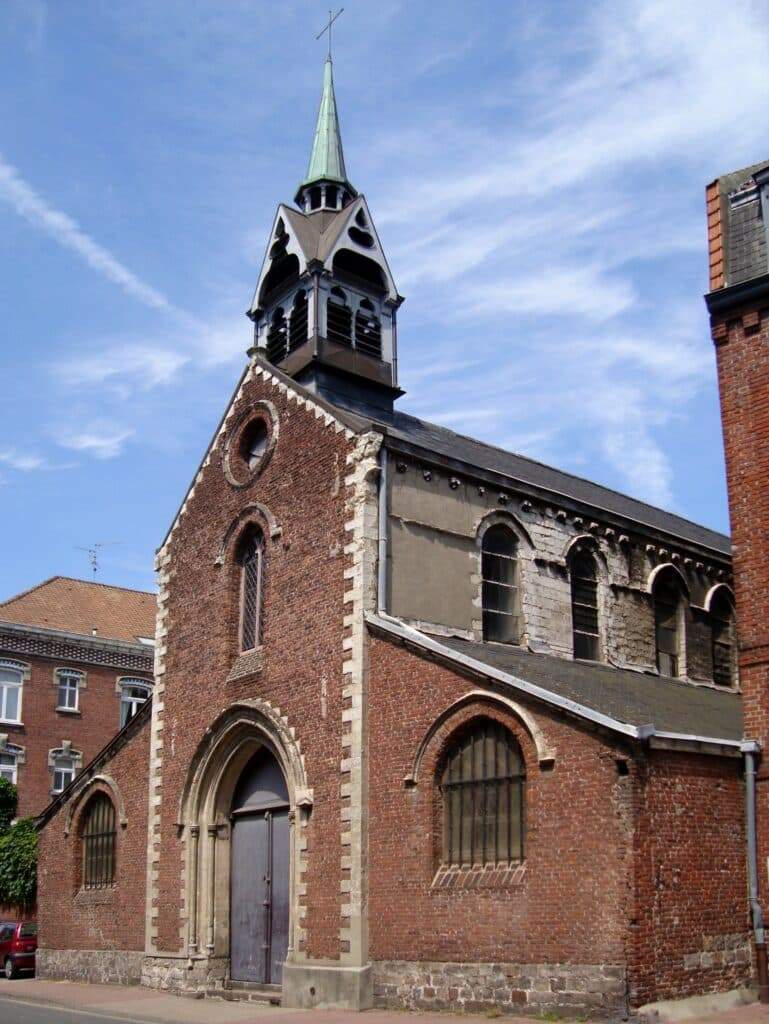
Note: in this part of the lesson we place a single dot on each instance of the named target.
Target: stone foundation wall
(96, 966)
(597, 989)
(173, 974)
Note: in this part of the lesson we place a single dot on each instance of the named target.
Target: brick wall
(43, 728)
(109, 919)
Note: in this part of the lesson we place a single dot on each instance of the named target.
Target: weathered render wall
(692, 933)
(551, 932)
(435, 567)
(97, 935)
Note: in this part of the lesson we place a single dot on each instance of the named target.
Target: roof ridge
(73, 579)
(565, 472)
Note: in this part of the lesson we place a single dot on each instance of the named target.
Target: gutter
(642, 733)
(750, 751)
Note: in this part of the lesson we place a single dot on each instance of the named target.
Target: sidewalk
(151, 1007)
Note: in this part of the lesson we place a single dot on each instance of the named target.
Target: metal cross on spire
(327, 28)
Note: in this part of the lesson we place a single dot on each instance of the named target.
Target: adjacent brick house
(75, 661)
(433, 724)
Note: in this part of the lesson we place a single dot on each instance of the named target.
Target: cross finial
(327, 28)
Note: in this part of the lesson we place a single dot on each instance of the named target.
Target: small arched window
(499, 590)
(723, 635)
(584, 605)
(368, 330)
(11, 680)
(251, 586)
(482, 788)
(276, 336)
(297, 334)
(338, 318)
(98, 837)
(667, 623)
(63, 764)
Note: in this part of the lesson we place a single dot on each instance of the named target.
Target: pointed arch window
(500, 596)
(723, 637)
(251, 587)
(297, 334)
(98, 838)
(368, 330)
(276, 336)
(483, 789)
(668, 598)
(584, 605)
(338, 318)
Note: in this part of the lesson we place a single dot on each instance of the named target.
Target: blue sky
(535, 172)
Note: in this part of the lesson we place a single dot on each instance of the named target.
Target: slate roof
(745, 248)
(634, 698)
(525, 471)
(79, 606)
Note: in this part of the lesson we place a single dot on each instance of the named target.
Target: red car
(18, 945)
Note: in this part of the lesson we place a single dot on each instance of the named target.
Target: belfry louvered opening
(276, 336)
(338, 318)
(297, 331)
(98, 837)
(483, 794)
(368, 330)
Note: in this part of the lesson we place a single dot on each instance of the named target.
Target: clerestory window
(500, 591)
(584, 605)
(667, 623)
(723, 638)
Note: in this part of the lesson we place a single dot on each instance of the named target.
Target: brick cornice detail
(31, 642)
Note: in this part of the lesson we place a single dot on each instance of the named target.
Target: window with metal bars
(252, 572)
(499, 589)
(297, 329)
(338, 318)
(584, 605)
(722, 631)
(483, 793)
(68, 682)
(276, 336)
(368, 330)
(98, 837)
(667, 603)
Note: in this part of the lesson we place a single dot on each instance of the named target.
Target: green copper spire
(327, 159)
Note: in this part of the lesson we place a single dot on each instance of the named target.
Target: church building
(433, 725)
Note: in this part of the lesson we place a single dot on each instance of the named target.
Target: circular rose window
(250, 444)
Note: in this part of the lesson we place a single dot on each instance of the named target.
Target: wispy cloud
(64, 230)
(127, 366)
(21, 460)
(99, 438)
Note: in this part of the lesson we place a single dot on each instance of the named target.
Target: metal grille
(722, 625)
(251, 599)
(276, 337)
(368, 331)
(584, 606)
(499, 569)
(483, 788)
(338, 322)
(666, 601)
(297, 331)
(99, 843)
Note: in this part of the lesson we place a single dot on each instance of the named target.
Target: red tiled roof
(79, 606)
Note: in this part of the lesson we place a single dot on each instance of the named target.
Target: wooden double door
(260, 873)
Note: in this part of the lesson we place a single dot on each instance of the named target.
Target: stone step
(249, 991)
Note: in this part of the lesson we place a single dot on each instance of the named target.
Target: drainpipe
(381, 589)
(759, 935)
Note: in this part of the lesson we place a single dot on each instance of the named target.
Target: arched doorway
(259, 876)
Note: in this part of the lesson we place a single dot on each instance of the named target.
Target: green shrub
(18, 864)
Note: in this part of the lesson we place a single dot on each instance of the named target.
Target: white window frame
(14, 768)
(21, 669)
(70, 674)
(132, 681)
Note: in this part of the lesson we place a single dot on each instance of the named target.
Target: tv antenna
(94, 550)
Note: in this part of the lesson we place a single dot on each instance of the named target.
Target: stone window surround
(589, 542)
(525, 555)
(82, 684)
(20, 753)
(25, 671)
(65, 750)
(238, 476)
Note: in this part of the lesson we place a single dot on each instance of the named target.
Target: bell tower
(325, 305)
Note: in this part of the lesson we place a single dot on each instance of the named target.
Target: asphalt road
(15, 1011)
